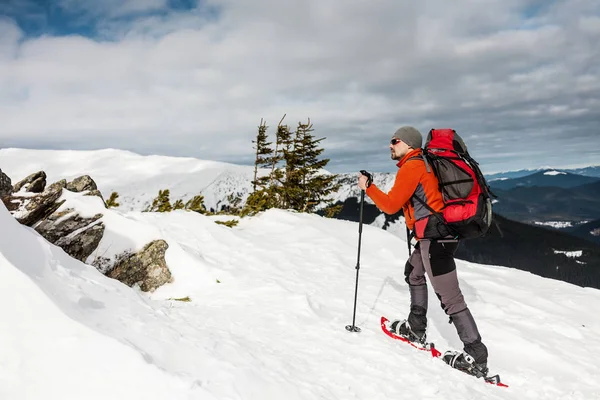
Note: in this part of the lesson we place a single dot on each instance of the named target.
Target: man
(414, 181)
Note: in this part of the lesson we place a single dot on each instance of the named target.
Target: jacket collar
(412, 153)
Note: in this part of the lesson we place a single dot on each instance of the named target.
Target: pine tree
(196, 204)
(112, 200)
(314, 185)
(161, 203)
(178, 205)
(264, 153)
(231, 223)
(282, 177)
(296, 180)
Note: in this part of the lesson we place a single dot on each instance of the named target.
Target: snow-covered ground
(554, 172)
(270, 299)
(555, 224)
(560, 224)
(573, 254)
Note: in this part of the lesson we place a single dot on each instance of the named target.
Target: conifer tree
(112, 200)
(161, 203)
(196, 204)
(178, 205)
(281, 178)
(264, 153)
(314, 185)
(296, 180)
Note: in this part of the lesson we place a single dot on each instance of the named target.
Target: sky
(269, 302)
(518, 79)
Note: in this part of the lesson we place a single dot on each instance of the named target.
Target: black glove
(369, 177)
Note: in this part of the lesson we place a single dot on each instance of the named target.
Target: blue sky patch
(55, 18)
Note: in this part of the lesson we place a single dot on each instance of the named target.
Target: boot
(464, 362)
(404, 328)
(469, 335)
(414, 328)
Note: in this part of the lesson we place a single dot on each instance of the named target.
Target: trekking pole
(353, 328)
(408, 239)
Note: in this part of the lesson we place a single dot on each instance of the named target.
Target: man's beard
(394, 156)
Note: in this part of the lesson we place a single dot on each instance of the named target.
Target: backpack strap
(421, 157)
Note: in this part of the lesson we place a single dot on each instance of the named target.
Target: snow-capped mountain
(139, 178)
(593, 171)
(136, 178)
(547, 178)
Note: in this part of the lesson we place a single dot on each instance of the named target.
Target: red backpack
(467, 196)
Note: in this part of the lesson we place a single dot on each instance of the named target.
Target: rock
(29, 210)
(85, 183)
(76, 235)
(82, 244)
(6, 188)
(147, 268)
(81, 184)
(34, 183)
(57, 186)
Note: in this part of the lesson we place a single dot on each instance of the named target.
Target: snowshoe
(465, 363)
(402, 328)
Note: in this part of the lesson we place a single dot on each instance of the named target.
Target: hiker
(415, 181)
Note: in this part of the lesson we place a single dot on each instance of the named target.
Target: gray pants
(436, 260)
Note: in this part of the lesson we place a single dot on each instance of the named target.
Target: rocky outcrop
(57, 186)
(147, 268)
(35, 205)
(30, 209)
(6, 188)
(34, 183)
(76, 235)
(82, 184)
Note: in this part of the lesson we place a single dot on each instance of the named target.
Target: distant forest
(522, 246)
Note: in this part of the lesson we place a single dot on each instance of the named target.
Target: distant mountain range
(589, 231)
(546, 178)
(549, 203)
(543, 251)
(546, 252)
(593, 171)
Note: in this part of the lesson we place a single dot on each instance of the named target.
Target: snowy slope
(273, 327)
(269, 302)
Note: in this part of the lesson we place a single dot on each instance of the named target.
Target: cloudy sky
(518, 79)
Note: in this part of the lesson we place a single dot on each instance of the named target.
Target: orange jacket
(412, 178)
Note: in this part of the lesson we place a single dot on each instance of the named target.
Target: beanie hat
(410, 136)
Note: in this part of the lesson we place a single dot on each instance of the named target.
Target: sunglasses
(394, 141)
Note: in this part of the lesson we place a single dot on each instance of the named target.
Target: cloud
(516, 79)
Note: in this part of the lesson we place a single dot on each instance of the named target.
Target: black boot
(469, 335)
(414, 328)
(464, 362)
(405, 329)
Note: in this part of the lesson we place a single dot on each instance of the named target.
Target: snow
(572, 254)
(270, 299)
(136, 178)
(555, 224)
(552, 173)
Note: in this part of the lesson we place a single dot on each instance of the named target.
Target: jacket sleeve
(405, 184)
